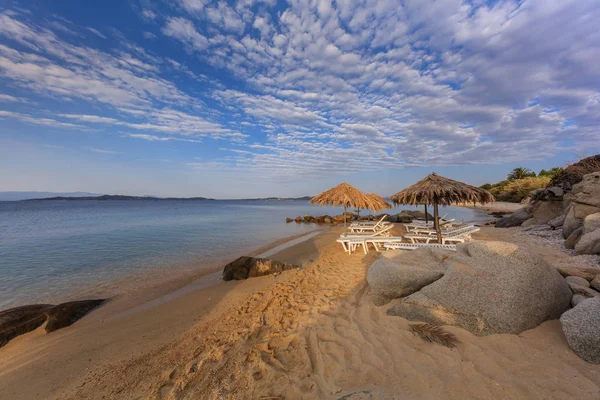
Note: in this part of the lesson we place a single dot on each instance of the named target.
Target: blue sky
(258, 98)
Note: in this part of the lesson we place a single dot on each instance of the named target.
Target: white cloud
(183, 30)
(103, 151)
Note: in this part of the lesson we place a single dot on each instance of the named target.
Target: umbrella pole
(426, 215)
(436, 221)
(345, 217)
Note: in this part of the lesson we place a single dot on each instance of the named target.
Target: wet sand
(312, 333)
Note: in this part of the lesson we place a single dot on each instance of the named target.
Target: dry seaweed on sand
(434, 334)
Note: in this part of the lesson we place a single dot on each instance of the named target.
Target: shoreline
(145, 286)
(497, 206)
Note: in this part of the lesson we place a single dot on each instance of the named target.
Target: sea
(53, 251)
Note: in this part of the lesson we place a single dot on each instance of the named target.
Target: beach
(302, 334)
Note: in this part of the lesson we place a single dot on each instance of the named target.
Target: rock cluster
(575, 211)
(485, 287)
(19, 320)
(249, 267)
(405, 216)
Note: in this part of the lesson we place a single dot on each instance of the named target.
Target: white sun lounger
(448, 228)
(368, 223)
(417, 225)
(460, 235)
(377, 232)
(414, 246)
(350, 244)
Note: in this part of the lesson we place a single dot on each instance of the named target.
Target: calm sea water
(51, 249)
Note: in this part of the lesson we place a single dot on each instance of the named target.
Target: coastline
(315, 331)
(497, 206)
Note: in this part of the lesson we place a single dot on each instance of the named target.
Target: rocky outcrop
(589, 243)
(248, 267)
(19, 320)
(571, 223)
(490, 287)
(581, 326)
(389, 279)
(516, 219)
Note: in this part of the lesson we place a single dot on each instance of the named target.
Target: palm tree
(520, 173)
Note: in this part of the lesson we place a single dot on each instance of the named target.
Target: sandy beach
(303, 334)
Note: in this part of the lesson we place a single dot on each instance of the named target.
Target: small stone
(577, 280)
(595, 283)
(584, 272)
(576, 299)
(584, 291)
(288, 220)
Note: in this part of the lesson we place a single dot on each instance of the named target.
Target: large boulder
(544, 211)
(248, 267)
(516, 219)
(571, 223)
(490, 287)
(581, 326)
(19, 320)
(591, 223)
(589, 243)
(574, 238)
(391, 279)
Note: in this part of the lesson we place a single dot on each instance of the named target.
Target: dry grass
(444, 191)
(434, 334)
(520, 189)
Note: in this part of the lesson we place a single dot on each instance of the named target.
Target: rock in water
(490, 287)
(19, 320)
(393, 279)
(581, 326)
(66, 314)
(248, 267)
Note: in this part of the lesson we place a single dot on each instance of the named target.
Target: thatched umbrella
(436, 190)
(344, 195)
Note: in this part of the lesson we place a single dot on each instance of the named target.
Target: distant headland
(106, 197)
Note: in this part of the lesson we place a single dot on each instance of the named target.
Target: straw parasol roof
(436, 189)
(347, 196)
(380, 203)
(344, 195)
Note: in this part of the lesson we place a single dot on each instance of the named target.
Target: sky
(288, 98)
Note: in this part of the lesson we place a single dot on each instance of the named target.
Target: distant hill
(118, 197)
(282, 198)
(16, 196)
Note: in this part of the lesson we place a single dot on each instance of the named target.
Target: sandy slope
(305, 334)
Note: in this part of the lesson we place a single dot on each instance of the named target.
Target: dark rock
(66, 314)
(499, 214)
(288, 220)
(298, 219)
(249, 267)
(488, 288)
(309, 218)
(19, 320)
(557, 222)
(581, 326)
(516, 219)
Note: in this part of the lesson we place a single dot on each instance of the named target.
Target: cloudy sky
(272, 97)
